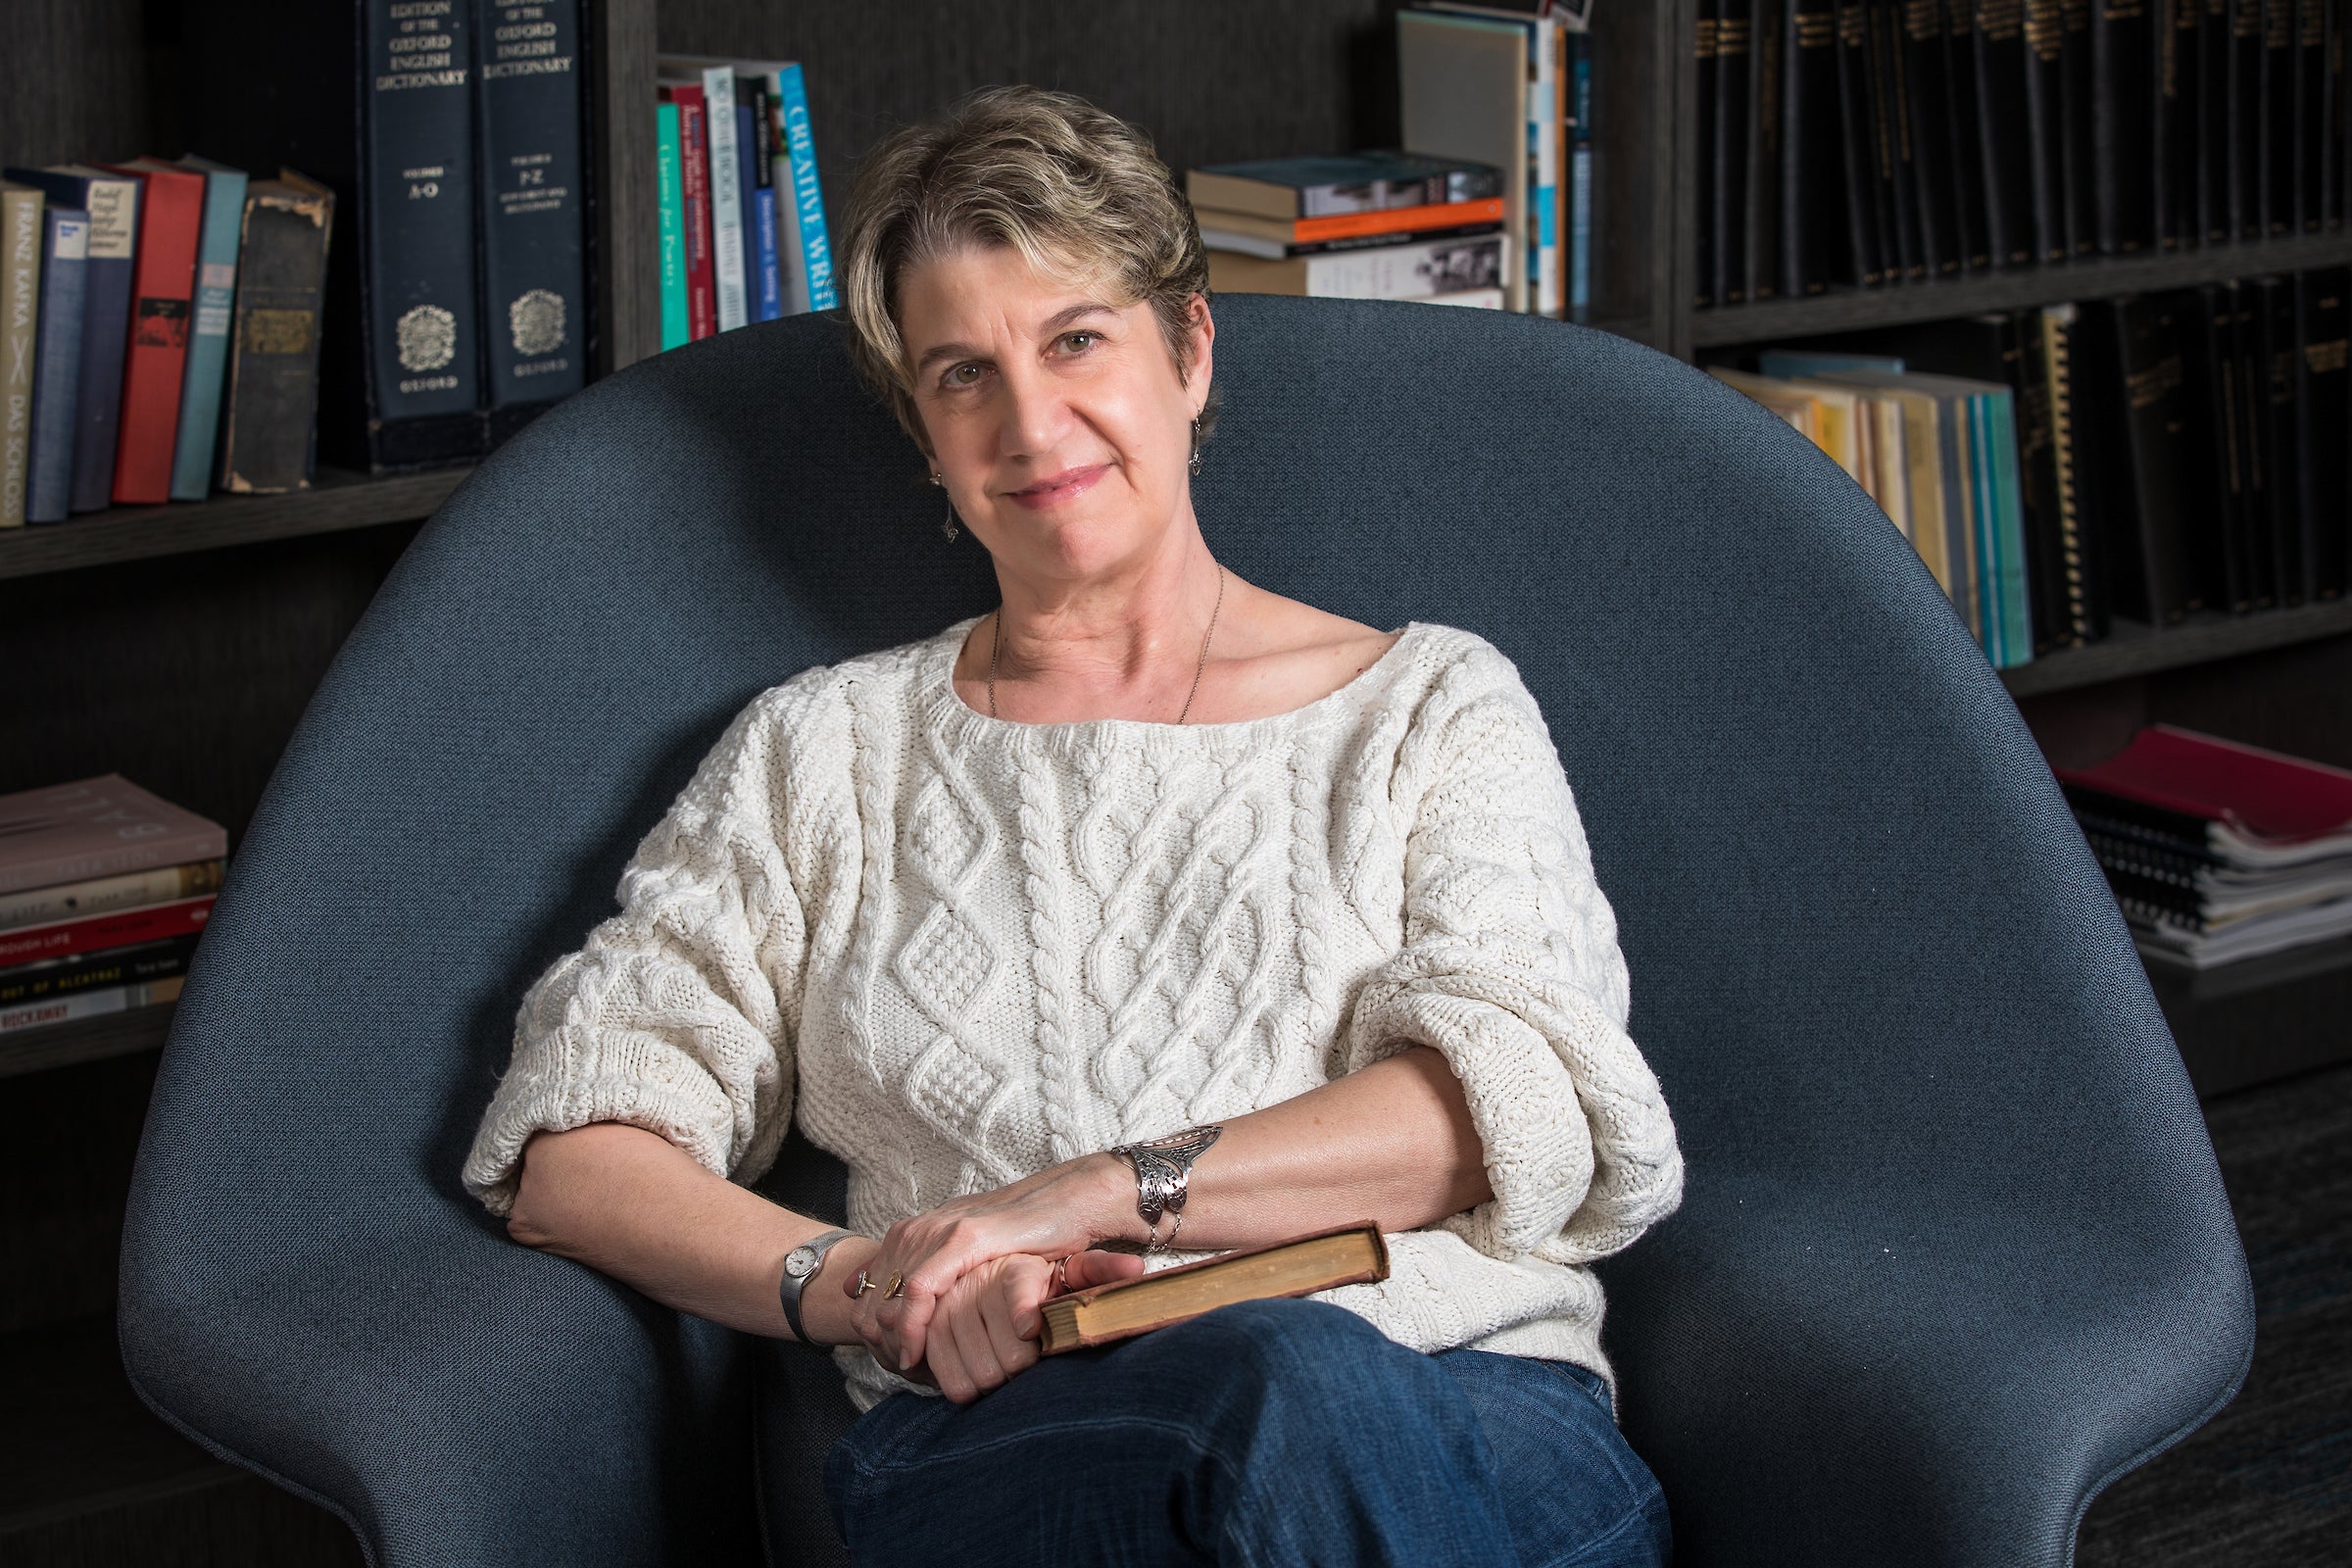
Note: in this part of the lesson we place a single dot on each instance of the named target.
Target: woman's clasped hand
(975, 1271)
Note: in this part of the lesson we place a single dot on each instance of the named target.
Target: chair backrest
(1928, 1102)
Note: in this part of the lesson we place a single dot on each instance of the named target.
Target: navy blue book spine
(532, 198)
(57, 363)
(113, 203)
(416, 213)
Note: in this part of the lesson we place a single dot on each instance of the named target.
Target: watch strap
(789, 1291)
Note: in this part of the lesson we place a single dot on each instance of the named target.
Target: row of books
(1383, 225)
(1509, 87)
(1882, 141)
(104, 890)
(2218, 851)
(2144, 457)
(742, 215)
(159, 333)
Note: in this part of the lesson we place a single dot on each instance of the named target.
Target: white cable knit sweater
(964, 948)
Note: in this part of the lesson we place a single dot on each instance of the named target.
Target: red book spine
(171, 212)
(62, 938)
(694, 184)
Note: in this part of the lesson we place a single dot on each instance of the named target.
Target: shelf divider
(2137, 649)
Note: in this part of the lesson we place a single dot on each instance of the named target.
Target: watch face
(799, 1262)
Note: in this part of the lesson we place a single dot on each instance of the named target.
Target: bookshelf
(178, 645)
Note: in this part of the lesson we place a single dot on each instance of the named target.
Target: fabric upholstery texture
(1953, 1250)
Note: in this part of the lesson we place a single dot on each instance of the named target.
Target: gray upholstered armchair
(1954, 1252)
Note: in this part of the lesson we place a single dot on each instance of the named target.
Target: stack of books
(1375, 225)
(1510, 84)
(2218, 851)
(2147, 457)
(1873, 142)
(133, 368)
(742, 215)
(104, 890)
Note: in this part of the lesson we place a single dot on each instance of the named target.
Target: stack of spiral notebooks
(2217, 851)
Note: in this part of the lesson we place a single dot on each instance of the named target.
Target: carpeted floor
(2268, 1483)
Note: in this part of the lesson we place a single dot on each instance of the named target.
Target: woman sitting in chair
(1150, 903)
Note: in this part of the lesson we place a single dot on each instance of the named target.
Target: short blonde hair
(1073, 188)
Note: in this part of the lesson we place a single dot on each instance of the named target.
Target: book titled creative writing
(1322, 1260)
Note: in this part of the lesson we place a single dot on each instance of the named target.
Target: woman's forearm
(1392, 1142)
(635, 1206)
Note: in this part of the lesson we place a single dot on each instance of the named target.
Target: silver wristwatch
(800, 1267)
(1163, 1166)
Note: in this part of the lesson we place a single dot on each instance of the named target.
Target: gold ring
(863, 1284)
(897, 1287)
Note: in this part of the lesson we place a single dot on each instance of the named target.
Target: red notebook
(2266, 796)
(163, 289)
(693, 190)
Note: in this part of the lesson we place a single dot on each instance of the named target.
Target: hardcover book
(104, 826)
(20, 322)
(57, 363)
(2325, 410)
(113, 203)
(1105, 1314)
(267, 408)
(1354, 184)
(533, 203)
(219, 238)
(171, 221)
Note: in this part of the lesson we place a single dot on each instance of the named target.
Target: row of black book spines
(1860, 144)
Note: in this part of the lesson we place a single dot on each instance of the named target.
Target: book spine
(530, 207)
(1924, 85)
(1985, 518)
(1734, 41)
(726, 196)
(671, 201)
(2038, 487)
(2080, 568)
(2311, 115)
(2336, 119)
(2077, 129)
(2279, 131)
(2252, 377)
(269, 408)
(20, 330)
(757, 124)
(214, 305)
(746, 202)
(1963, 149)
(57, 364)
(1546, 287)
(96, 933)
(171, 217)
(1406, 272)
(2173, 197)
(31, 983)
(88, 1005)
(808, 197)
(140, 855)
(2124, 115)
(2216, 96)
(2017, 611)
(2147, 385)
(105, 338)
(693, 149)
(1576, 84)
(1706, 111)
(417, 211)
(2325, 412)
(1899, 181)
(1766, 85)
(2216, 497)
(2009, 160)
(99, 894)
(2247, 113)
(1812, 156)
(2279, 388)
(1869, 257)
(2044, 57)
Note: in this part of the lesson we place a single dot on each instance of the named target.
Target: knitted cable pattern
(1036, 941)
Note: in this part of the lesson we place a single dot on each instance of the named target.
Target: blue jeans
(1278, 1431)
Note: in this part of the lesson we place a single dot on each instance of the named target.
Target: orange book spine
(1397, 220)
(171, 210)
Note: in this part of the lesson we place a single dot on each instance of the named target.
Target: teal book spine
(807, 198)
(1984, 517)
(216, 302)
(672, 200)
(2017, 607)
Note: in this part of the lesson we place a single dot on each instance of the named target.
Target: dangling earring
(1195, 465)
(948, 526)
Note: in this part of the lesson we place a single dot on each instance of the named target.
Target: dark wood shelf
(2099, 277)
(2260, 1019)
(61, 1044)
(2135, 648)
(336, 501)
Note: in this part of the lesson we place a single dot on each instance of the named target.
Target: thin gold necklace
(996, 645)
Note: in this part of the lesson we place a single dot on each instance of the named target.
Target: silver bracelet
(1161, 1167)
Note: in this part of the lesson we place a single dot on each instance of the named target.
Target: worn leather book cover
(269, 407)
(1321, 1261)
(2325, 299)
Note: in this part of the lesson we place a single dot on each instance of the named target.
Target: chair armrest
(455, 1398)
(1892, 1381)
